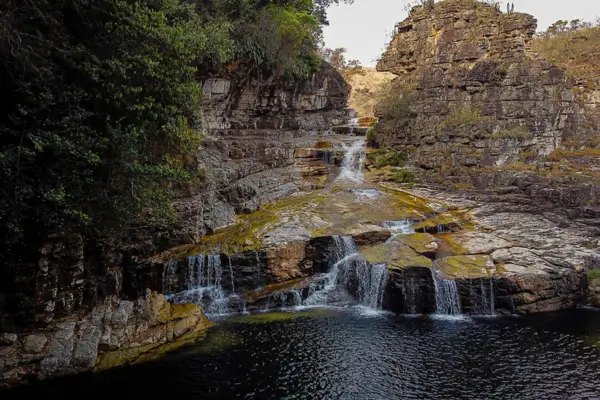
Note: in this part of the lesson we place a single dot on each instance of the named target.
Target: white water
(447, 300)
(202, 283)
(401, 227)
(483, 302)
(351, 269)
(352, 164)
(410, 295)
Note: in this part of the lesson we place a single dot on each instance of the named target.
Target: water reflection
(340, 354)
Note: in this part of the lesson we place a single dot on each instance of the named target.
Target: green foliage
(463, 116)
(403, 176)
(593, 274)
(518, 133)
(370, 135)
(98, 102)
(388, 157)
(97, 99)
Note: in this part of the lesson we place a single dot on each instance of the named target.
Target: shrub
(370, 136)
(463, 116)
(388, 157)
(528, 156)
(520, 133)
(593, 274)
(403, 176)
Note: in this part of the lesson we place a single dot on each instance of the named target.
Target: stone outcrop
(260, 145)
(75, 305)
(476, 94)
(116, 332)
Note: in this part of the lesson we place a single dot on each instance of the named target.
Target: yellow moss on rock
(466, 266)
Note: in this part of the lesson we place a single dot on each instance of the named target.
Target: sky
(364, 27)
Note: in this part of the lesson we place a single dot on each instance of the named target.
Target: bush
(403, 176)
(519, 133)
(388, 157)
(593, 274)
(463, 116)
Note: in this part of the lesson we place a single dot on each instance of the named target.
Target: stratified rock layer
(476, 95)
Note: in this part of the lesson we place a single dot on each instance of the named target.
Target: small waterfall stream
(447, 300)
(350, 271)
(483, 297)
(202, 283)
(352, 164)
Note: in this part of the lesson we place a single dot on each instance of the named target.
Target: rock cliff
(77, 305)
(481, 114)
(477, 95)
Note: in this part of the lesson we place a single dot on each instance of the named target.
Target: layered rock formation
(480, 113)
(79, 305)
(255, 151)
(477, 95)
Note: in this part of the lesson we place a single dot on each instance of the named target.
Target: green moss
(469, 267)
(403, 176)
(462, 116)
(265, 318)
(422, 243)
(593, 274)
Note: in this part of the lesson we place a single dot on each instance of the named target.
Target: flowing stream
(352, 164)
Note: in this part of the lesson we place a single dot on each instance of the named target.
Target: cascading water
(410, 295)
(352, 164)
(447, 300)
(202, 283)
(483, 299)
(350, 271)
(401, 227)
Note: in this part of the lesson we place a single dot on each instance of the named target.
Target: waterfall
(350, 272)
(352, 164)
(410, 295)
(202, 283)
(447, 300)
(231, 275)
(483, 302)
(399, 227)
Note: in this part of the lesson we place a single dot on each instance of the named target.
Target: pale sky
(364, 27)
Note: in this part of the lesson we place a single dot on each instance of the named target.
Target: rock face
(115, 332)
(475, 92)
(261, 146)
(75, 305)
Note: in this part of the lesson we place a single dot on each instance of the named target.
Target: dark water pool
(343, 354)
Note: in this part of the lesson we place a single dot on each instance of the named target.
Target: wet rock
(466, 266)
(480, 242)
(422, 243)
(368, 234)
(34, 343)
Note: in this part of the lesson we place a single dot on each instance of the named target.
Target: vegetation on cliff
(574, 46)
(100, 100)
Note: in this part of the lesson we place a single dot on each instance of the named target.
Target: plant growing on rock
(463, 116)
(403, 176)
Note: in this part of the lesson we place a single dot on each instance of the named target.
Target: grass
(367, 89)
(388, 157)
(561, 154)
(463, 116)
(519, 133)
(593, 274)
(528, 156)
(577, 52)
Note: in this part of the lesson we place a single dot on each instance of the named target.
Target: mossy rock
(466, 267)
(396, 255)
(422, 243)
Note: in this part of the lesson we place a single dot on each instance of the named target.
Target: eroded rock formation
(78, 305)
(477, 96)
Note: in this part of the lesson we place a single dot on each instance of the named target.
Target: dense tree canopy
(99, 99)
